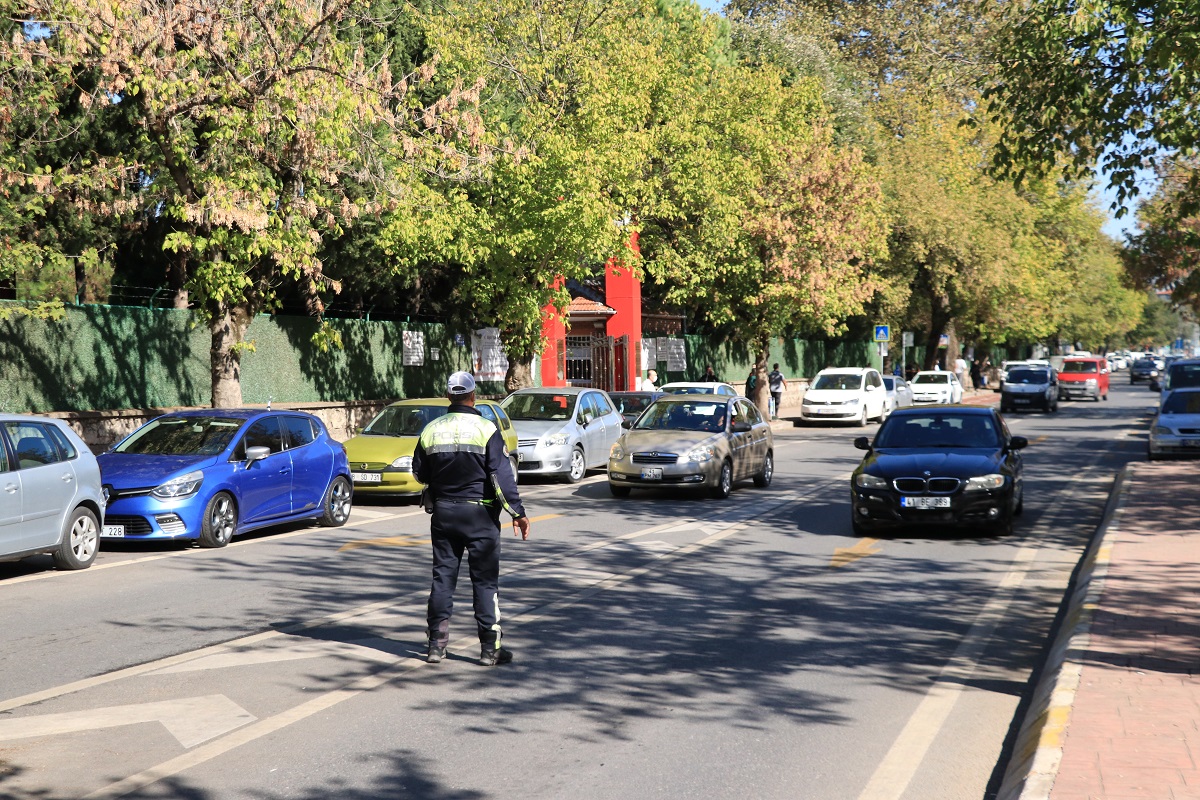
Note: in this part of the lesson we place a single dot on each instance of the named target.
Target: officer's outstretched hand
(521, 526)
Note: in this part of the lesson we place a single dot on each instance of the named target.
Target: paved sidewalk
(1117, 712)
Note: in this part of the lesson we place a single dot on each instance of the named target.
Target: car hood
(137, 471)
(537, 428)
(963, 463)
(379, 448)
(666, 441)
(834, 395)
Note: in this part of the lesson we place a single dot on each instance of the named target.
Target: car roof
(945, 372)
(236, 413)
(431, 401)
(555, 390)
(846, 370)
(694, 383)
(956, 410)
(1190, 361)
(635, 394)
(696, 398)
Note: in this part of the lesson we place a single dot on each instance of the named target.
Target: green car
(381, 456)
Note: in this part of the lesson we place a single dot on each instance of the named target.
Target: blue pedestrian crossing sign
(883, 333)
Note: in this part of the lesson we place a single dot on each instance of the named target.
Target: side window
(725, 390)
(587, 408)
(5, 464)
(505, 422)
(264, 433)
(300, 431)
(488, 413)
(737, 413)
(32, 443)
(752, 414)
(876, 381)
(603, 408)
(64, 443)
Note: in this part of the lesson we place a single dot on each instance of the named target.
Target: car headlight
(865, 481)
(1161, 430)
(403, 463)
(1153, 373)
(616, 454)
(986, 482)
(183, 486)
(702, 454)
(853, 401)
(556, 439)
(1090, 381)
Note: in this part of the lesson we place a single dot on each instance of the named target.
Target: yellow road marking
(848, 555)
(413, 539)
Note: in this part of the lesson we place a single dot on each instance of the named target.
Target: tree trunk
(519, 375)
(228, 327)
(761, 395)
(939, 320)
(177, 280)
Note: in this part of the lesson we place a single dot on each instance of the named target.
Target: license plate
(829, 411)
(366, 477)
(113, 532)
(1020, 399)
(925, 502)
(654, 474)
(1190, 442)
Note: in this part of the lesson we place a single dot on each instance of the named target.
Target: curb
(1037, 754)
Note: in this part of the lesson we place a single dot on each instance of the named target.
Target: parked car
(212, 474)
(1143, 369)
(692, 441)
(698, 387)
(899, 393)
(951, 467)
(381, 456)
(1030, 387)
(562, 432)
(53, 496)
(1081, 377)
(845, 394)
(631, 404)
(1176, 427)
(933, 386)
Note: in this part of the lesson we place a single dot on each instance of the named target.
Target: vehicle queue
(209, 475)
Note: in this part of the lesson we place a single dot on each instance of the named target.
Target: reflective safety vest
(457, 435)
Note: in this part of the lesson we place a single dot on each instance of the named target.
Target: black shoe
(490, 658)
(435, 654)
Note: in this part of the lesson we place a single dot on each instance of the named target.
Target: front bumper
(541, 459)
(931, 399)
(623, 472)
(880, 508)
(145, 517)
(387, 481)
(1174, 445)
(1073, 391)
(824, 413)
(1025, 400)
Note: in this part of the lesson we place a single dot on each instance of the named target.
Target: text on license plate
(652, 474)
(366, 477)
(113, 532)
(925, 502)
(1191, 442)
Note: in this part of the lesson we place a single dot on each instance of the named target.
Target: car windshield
(539, 406)
(938, 431)
(1024, 375)
(690, 389)
(1182, 403)
(404, 420)
(632, 403)
(838, 382)
(933, 377)
(1145, 363)
(703, 416)
(182, 436)
(1080, 366)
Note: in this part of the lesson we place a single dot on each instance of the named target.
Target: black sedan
(945, 467)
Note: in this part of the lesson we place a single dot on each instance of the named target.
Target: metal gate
(591, 361)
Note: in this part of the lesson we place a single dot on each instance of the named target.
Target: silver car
(52, 499)
(562, 431)
(899, 393)
(707, 442)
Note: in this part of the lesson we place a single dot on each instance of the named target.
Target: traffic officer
(461, 458)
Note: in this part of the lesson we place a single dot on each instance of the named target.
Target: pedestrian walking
(977, 373)
(461, 458)
(648, 383)
(776, 383)
(960, 370)
(710, 376)
(751, 381)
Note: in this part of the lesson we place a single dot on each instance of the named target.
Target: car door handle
(67, 478)
(285, 470)
(11, 488)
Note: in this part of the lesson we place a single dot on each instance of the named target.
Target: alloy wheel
(339, 502)
(85, 536)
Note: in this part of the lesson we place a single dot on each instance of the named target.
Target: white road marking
(191, 720)
(243, 657)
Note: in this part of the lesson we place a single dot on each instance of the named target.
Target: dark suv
(1182, 373)
(1144, 369)
(1030, 387)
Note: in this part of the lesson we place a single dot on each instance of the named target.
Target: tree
(250, 116)
(1165, 252)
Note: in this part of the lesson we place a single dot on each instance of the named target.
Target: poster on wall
(649, 354)
(487, 355)
(672, 351)
(414, 348)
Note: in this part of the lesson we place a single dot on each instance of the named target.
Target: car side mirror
(256, 454)
(870, 388)
(581, 422)
(862, 443)
(1018, 443)
(626, 424)
(357, 430)
(741, 426)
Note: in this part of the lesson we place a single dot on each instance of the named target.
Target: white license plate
(925, 502)
(113, 532)
(652, 474)
(366, 477)
(1190, 442)
(1020, 399)
(829, 411)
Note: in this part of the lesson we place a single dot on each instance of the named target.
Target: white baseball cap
(460, 383)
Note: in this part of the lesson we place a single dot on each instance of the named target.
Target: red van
(1083, 376)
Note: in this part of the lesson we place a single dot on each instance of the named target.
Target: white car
(846, 394)
(53, 498)
(1176, 429)
(932, 386)
(698, 387)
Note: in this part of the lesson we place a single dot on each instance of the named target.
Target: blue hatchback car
(214, 473)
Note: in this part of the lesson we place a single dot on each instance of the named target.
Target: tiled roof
(584, 306)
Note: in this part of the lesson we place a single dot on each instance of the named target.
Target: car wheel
(80, 541)
(1020, 509)
(220, 521)
(1004, 409)
(884, 413)
(724, 485)
(336, 506)
(619, 491)
(856, 526)
(1004, 527)
(512, 461)
(578, 466)
(763, 479)
(1150, 456)
(862, 420)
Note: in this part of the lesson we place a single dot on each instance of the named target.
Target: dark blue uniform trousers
(474, 528)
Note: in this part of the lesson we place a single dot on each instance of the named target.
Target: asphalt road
(666, 646)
